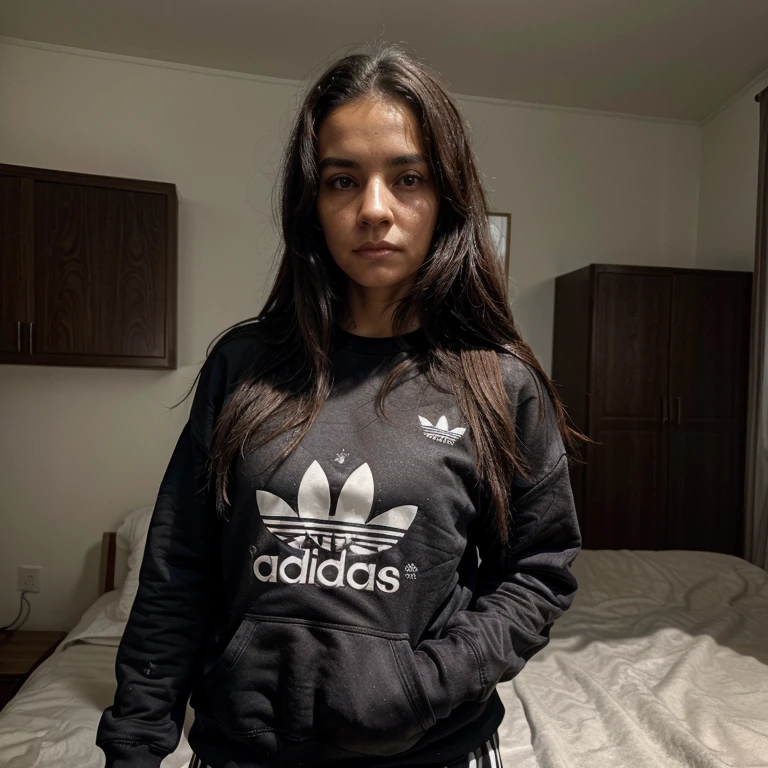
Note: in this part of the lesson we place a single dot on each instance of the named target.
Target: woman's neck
(370, 315)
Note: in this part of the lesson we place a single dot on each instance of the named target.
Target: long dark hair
(459, 295)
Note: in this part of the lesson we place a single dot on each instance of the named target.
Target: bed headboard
(108, 561)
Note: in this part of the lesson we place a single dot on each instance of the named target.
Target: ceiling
(676, 59)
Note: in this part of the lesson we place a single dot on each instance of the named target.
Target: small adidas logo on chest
(440, 431)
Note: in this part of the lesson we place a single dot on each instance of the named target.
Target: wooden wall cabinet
(652, 364)
(88, 270)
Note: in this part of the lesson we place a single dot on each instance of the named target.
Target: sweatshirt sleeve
(521, 589)
(163, 638)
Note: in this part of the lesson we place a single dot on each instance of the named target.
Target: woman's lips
(377, 253)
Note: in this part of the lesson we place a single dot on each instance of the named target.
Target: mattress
(661, 661)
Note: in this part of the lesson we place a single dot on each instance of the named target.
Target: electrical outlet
(30, 578)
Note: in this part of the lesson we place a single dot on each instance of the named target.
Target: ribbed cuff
(124, 754)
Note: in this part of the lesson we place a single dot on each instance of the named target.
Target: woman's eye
(411, 176)
(341, 178)
(417, 178)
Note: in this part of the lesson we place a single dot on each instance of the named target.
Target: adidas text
(329, 573)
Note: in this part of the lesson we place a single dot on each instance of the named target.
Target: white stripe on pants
(486, 756)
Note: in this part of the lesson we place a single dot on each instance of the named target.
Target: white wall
(728, 191)
(81, 447)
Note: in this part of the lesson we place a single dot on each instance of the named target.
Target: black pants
(486, 756)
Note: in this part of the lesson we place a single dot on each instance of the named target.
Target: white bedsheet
(661, 662)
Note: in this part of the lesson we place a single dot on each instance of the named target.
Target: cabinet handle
(679, 403)
(18, 335)
(31, 326)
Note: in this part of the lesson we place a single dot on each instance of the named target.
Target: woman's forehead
(354, 147)
(360, 132)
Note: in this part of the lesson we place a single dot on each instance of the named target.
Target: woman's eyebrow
(341, 162)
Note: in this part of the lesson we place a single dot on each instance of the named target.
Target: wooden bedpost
(107, 566)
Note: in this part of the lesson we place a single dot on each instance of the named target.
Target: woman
(320, 597)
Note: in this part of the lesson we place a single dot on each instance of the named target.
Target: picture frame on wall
(501, 226)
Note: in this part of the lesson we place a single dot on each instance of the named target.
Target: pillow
(96, 625)
(131, 537)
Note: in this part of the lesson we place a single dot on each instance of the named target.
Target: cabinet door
(101, 271)
(626, 476)
(708, 374)
(15, 265)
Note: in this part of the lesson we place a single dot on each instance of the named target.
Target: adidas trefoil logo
(313, 526)
(440, 431)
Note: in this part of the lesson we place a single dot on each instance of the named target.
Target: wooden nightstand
(20, 653)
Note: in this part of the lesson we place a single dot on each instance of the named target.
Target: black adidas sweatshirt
(342, 615)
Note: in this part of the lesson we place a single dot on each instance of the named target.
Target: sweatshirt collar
(373, 345)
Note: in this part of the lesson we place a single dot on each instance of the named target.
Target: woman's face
(363, 197)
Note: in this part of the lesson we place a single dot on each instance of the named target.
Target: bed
(661, 661)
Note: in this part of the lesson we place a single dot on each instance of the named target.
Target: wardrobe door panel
(708, 369)
(100, 272)
(631, 360)
(15, 265)
(710, 329)
(627, 476)
(626, 487)
(705, 508)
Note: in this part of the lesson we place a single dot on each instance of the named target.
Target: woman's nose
(375, 204)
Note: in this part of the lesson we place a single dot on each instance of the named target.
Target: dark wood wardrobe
(652, 365)
(87, 270)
